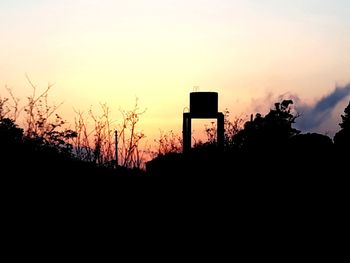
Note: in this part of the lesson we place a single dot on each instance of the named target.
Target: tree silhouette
(342, 138)
(9, 133)
(270, 131)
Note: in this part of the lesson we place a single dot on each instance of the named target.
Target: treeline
(263, 145)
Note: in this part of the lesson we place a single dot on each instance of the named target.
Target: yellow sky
(111, 51)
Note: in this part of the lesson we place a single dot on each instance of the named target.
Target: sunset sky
(158, 50)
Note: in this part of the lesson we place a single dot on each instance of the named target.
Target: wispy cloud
(317, 117)
(312, 116)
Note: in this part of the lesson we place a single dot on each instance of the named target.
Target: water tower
(203, 105)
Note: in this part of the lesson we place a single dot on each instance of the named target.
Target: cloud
(313, 116)
(323, 116)
(265, 104)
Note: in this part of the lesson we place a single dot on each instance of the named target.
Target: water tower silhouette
(203, 105)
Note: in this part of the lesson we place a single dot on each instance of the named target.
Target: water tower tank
(204, 104)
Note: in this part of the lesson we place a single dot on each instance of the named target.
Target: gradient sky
(158, 50)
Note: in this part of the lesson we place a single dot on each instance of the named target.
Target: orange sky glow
(158, 50)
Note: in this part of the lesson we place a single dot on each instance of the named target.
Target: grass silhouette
(264, 147)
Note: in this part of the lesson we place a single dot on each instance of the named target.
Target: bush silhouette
(342, 138)
(10, 133)
(267, 132)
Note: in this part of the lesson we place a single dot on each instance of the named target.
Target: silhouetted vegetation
(231, 127)
(265, 145)
(342, 138)
(267, 132)
(167, 143)
(96, 141)
(45, 146)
